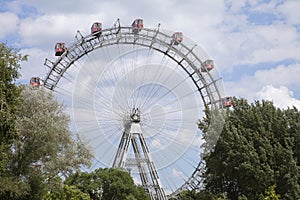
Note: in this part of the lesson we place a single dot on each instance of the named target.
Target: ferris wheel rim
(114, 36)
(147, 38)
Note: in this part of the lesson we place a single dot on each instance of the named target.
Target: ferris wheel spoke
(174, 169)
(167, 136)
(152, 101)
(176, 111)
(153, 90)
(101, 139)
(135, 65)
(163, 66)
(148, 58)
(179, 140)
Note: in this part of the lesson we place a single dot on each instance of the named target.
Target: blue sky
(255, 43)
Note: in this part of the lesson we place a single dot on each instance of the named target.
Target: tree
(10, 99)
(258, 148)
(45, 147)
(107, 184)
(67, 193)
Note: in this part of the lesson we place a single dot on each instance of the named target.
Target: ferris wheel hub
(135, 115)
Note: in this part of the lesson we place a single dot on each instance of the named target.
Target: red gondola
(60, 48)
(137, 25)
(177, 38)
(96, 28)
(35, 81)
(207, 66)
(227, 101)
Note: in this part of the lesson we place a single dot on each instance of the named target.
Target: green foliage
(107, 184)
(271, 194)
(45, 147)
(67, 193)
(187, 195)
(211, 127)
(45, 138)
(258, 147)
(201, 195)
(35, 142)
(10, 99)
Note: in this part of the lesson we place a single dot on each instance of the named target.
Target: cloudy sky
(255, 43)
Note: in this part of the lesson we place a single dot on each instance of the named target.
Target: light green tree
(45, 147)
(67, 193)
(271, 193)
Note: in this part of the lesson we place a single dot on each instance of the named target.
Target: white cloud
(281, 75)
(35, 64)
(290, 10)
(263, 6)
(237, 40)
(280, 42)
(8, 23)
(252, 44)
(282, 97)
(235, 6)
(46, 30)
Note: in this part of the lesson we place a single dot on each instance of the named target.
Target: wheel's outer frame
(209, 85)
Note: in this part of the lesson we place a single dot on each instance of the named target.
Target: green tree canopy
(258, 148)
(67, 193)
(107, 184)
(10, 99)
(45, 147)
(35, 142)
(45, 138)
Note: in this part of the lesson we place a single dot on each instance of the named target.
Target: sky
(255, 44)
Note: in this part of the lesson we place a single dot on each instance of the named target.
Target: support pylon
(142, 159)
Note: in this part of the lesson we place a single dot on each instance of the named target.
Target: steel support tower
(142, 159)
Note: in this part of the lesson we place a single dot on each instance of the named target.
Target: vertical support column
(133, 134)
(120, 158)
(153, 173)
(141, 168)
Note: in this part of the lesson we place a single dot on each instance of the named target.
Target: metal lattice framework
(208, 83)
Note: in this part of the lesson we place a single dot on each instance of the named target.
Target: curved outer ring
(159, 41)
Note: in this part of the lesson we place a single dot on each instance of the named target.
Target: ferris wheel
(136, 94)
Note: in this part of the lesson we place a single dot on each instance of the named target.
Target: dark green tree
(10, 100)
(258, 148)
